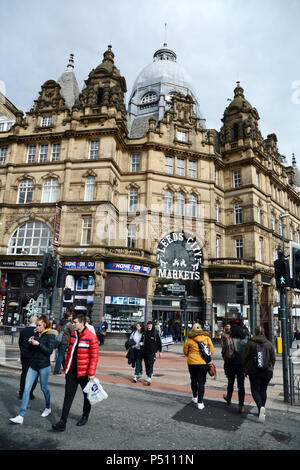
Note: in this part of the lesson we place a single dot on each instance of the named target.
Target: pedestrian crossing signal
(282, 272)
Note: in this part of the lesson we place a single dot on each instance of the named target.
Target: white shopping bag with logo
(95, 391)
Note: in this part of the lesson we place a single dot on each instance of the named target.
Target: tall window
(168, 202)
(3, 155)
(133, 200)
(50, 190)
(25, 192)
(131, 236)
(46, 121)
(94, 149)
(216, 176)
(181, 166)
(89, 188)
(43, 153)
(31, 153)
(238, 213)
(239, 248)
(217, 207)
(180, 204)
(169, 165)
(32, 238)
(260, 249)
(192, 169)
(259, 215)
(55, 151)
(237, 178)
(193, 206)
(272, 222)
(86, 231)
(218, 246)
(135, 162)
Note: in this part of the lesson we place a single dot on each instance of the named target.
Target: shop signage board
(133, 268)
(125, 300)
(78, 265)
(176, 288)
(166, 340)
(180, 257)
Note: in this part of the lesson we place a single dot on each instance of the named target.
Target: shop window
(82, 284)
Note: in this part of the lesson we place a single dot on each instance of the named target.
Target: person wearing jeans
(42, 344)
(25, 354)
(150, 343)
(259, 378)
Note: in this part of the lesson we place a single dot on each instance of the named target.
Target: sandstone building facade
(150, 201)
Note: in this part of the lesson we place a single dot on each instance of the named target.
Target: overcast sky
(218, 42)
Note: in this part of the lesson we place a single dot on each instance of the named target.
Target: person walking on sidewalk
(80, 367)
(259, 364)
(196, 364)
(151, 343)
(102, 330)
(136, 336)
(25, 354)
(233, 353)
(66, 326)
(42, 344)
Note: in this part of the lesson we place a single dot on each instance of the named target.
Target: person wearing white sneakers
(259, 364)
(196, 364)
(42, 344)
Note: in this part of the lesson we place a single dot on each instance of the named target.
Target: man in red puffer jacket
(80, 367)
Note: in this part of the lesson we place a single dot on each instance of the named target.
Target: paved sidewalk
(170, 375)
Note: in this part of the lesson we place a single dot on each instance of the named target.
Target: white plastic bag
(95, 391)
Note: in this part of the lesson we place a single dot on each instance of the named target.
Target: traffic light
(282, 272)
(68, 294)
(296, 267)
(183, 303)
(242, 292)
(48, 272)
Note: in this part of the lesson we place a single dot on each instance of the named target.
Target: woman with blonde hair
(196, 363)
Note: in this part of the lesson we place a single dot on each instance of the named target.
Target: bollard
(279, 345)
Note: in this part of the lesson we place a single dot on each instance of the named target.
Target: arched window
(50, 190)
(25, 192)
(180, 204)
(193, 205)
(149, 98)
(32, 238)
(168, 202)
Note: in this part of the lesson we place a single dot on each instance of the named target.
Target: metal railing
(294, 360)
(10, 334)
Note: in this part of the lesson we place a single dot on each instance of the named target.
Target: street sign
(176, 288)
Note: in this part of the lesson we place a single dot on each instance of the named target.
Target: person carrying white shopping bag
(95, 391)
(80, 368)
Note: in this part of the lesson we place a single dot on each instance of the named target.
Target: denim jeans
(138, 362)
(30, 378)
(60, 357)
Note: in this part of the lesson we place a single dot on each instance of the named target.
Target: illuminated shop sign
(78, 264)
(180, 257)
(133, 268)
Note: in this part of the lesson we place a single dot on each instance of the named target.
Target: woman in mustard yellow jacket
(196, 364)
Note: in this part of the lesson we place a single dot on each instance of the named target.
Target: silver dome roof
(161, 78)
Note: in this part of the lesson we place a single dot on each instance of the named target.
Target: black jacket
(151, 342)
(25, 347)
(40, 357)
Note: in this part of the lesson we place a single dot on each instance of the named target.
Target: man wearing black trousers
(80, 367)
(25, 355)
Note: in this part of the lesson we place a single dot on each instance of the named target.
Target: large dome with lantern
(153, 89)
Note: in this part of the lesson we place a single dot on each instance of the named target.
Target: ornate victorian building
(151, 203)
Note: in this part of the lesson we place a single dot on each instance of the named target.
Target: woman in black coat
(42, 344)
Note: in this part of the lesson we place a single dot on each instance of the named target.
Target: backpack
(58, 338)
(261, 356)
(229, 350)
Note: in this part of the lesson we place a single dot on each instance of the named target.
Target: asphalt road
(141, 419)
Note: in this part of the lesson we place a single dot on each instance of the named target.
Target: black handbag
(204, 351)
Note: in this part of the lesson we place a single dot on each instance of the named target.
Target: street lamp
(283, 320)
